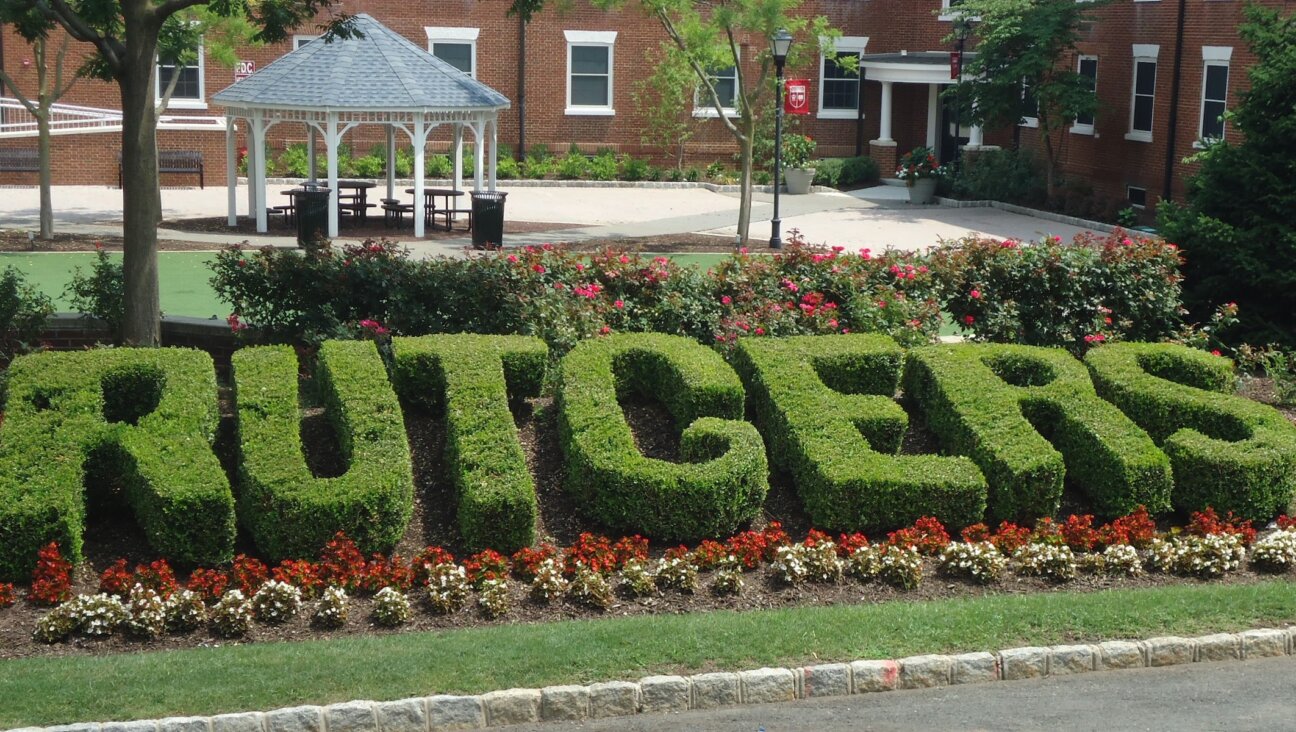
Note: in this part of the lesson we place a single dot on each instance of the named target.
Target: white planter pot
(922, 190)
(798, 180)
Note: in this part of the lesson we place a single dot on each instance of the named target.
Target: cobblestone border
(1032, 212)
(655, 694)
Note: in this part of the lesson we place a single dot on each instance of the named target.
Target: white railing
(69, 119)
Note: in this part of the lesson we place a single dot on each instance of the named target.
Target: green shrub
(294, 160)
(24, 311)
(635, 169)
(859, 170)
(603, 166)
(1228, 453)
(825, 407)
(723, 478)
(828, 172)
(404, 162)
(1050, 293)
(1010, 176)
(1003, 405)
(535, 168)
(101, 293)
(141, 419)
(438, 166)
(472, 379)
(507, 169)
(288, 511)
(573, 166)
(372, 165)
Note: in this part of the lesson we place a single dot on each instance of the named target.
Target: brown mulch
(111, 533)
(16, 241)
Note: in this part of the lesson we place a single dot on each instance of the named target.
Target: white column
(231, 172)
(975, 137)
(457, 182)
(933, 107)
(331, 140)
(884, 134)
(257, 176)
(494, 147)
(310, 151)
(479, 153)
(391, 161)
(250, 159)
(419, 139)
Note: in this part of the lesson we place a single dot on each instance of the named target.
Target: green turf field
(182, 276)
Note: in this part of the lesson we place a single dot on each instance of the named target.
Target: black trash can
(488, 219)
(312, 215)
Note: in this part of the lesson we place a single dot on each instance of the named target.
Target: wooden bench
(173, 161)
(19, 160)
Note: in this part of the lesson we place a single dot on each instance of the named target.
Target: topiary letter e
(145, 417)
(723, 478)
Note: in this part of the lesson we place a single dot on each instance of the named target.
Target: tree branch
(22, 98)
(171, 7)
(59, 89)
(701, 73)
(80, 30)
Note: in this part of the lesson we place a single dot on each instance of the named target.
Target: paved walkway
(876, 218)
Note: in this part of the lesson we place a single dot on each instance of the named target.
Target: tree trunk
(46, 176)
(1049, 165)
(745, 178)
(141, 207)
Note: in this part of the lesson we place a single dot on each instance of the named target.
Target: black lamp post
(962, 29)
(779, 45)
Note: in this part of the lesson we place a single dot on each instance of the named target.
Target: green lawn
(381, 666)
(182, 277)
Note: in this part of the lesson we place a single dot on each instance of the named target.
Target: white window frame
(948, 14)
(844, 44)
(1143, 53)
(183, 102)
(703, 109)
(1212, 56)
(1078, 128)
(458, 36)
(300, 40)
(591, 38)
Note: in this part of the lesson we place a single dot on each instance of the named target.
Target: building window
(1029, 106)
(1087, 67)
(839, 87)
(1136, 196)
(1143, 92)
(726, 87)
(589, 72)
(455, 46)
(1215, 73)
(948, 9)
(300, 40)
(189, 92)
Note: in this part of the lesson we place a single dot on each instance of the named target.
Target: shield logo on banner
(797, 96)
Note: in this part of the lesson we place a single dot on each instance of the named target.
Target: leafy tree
(50, 88)
(1024, 50)
(1235, 228)
(666, 101)
(129, 37)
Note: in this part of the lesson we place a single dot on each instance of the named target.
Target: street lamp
(962, 30)
(779, 45)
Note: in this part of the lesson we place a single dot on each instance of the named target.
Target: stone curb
(526, 183)
(1032, 212)
(712, 690)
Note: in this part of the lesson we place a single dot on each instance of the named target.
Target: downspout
(521, 92)
(1168, 183)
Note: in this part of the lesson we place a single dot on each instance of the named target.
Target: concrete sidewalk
(876, 218)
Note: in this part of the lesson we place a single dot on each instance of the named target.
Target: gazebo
(376, 77)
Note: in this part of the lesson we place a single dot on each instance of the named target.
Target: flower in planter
(798, 149)
(919, 163)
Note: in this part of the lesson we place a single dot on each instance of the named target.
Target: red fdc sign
(956, 64)
(244, 69)
(796, 96)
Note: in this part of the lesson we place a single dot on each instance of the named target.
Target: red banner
(956, 64)
(796, 96)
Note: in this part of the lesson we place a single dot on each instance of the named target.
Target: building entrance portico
(930, 69)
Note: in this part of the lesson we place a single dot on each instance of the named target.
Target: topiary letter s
(723, 479)
(145, 417)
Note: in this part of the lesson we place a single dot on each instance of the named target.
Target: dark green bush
(1011, 176)
(144, 419)
(289, 512)
(859, 170)
(100, 293)
(828, 172)
(1228, 453)
(24, 311)
(723, 478)
(1003, 405)
(825, 406)
(635, 169)
(472, 379)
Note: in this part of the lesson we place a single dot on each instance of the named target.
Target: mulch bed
(111, 533)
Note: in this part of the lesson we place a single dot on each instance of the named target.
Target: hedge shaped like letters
(724, 477)
(1228, 452)
(289, 511)
(472, 377)
(146, 417)
(825, 406)
(992, 402)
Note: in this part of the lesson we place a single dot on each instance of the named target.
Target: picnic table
(447, 210)
(357, 201)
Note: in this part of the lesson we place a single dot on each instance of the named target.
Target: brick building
(1163, 71)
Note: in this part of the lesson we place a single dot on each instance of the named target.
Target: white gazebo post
(479, 153)
(250, 160)
(494, 155)
(310, 151)
(884, 118)
(258, 175)
(391, 162)
(419, 140)
(331, 141)
(457, 182)
(231, 172)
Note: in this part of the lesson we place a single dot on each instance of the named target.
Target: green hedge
(144, 419)
(290, 512)
(1228, 452)
(724, 477)
(1002, 406)
(472, 378)
(825, 406)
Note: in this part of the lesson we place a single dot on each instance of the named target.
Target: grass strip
(53, 690)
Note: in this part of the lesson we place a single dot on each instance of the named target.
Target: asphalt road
(1252, 695)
